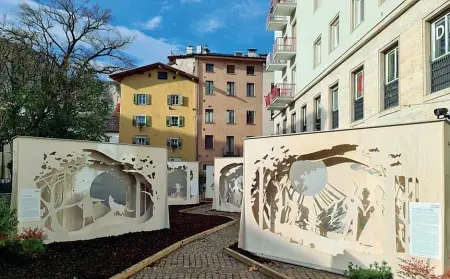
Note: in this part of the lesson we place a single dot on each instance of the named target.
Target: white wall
(113, 137)
(185, 64)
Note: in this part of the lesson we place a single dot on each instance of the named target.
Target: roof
(112, 126)
(261, 57)
(120, 75)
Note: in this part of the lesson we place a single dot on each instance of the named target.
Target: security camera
(441, 113)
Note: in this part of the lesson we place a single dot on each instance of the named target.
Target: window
(141, 120)
(440, 48)
(230, 145)
(294, 123)
(284, 126)
(230, 69)
(317, 51)
(230, 88)
(174, 159)
(174, 100)
(334, 107)
(250, 90)
(209, 142)
(209, 87)
(250, 70)
(334, 34)
(250, 117)
(141, 140)
(391, 78)
(210, 68)
(358, 94)
(358, 12)
(141, 99)
(174, 143)
(317, 113)
(230, 117)
(304, 118)
(175, 121)
(162, 75)
(316, 4)
(277, 130)
(209, 116)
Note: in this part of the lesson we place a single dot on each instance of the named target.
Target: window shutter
(168, 142)
(148, 98)
(180, 143)
(134, 121)
(181, 120)
(147, 141)
(180, 100)
(135, 101)
(168, 121)
(148, 121)
(169, 100)
(133, 141)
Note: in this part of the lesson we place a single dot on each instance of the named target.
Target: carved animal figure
(116, 208)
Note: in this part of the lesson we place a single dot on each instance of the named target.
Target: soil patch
(107, 256)
(252, 256)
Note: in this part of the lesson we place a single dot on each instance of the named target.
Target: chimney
(199, 49)
(206, 49)
(252, 52)
(189, 49)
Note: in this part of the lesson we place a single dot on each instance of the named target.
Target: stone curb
(261, 268)
(161, 254)
(194, 208)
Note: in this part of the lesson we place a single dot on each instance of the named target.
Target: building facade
(159, 107)
(364, 63)
(230, 95)
(267, 121)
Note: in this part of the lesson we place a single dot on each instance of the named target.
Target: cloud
(209, 25)
(249, 8)
(191, 1)
(165, 7)
(152, 23)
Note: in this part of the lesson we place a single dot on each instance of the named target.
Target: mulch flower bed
(105, 257)
(252, 256)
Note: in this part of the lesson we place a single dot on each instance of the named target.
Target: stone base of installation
(182, 183)
(228, 181)
(323, 200)
(77, 190)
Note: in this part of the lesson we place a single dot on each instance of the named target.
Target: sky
(160, 26)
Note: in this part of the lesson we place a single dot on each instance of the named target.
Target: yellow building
(159, 107)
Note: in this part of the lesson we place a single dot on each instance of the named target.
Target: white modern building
(353, 63)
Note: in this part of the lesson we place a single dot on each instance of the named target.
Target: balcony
(283, 7)
(281, 95)
(275, 22)
(284, 48)
(274, 65)
(229, 152)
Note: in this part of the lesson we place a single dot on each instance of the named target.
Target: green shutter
(135, 101)
(169, 100)
(181, 121)
(147, 141)
(180, 100)
(148, 98)
(134, 121)
(180, 143)
(133, 141)
(148, 121)
(168, 142)
(168, 124)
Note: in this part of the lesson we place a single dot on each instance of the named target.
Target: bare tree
(73, 34)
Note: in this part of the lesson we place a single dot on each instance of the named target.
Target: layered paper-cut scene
(209, 187)
(182, 183)
(228, 184)
(89, 189)
(324, 200)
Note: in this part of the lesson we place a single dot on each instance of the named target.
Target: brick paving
(204, 259)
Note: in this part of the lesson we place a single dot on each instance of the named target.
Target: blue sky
(163, 25)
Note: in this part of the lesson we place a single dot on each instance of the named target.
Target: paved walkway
(204, 259)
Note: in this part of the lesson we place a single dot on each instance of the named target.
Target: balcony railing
(283, 7)
(274, 65)
(280, 95)
(275, 22)
(284, 48)
(231, 152)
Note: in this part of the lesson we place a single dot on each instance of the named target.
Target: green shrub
(8, 221)
(32, 247)
(375, 271)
